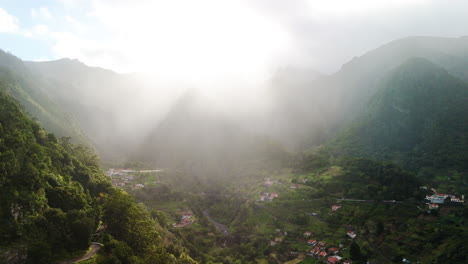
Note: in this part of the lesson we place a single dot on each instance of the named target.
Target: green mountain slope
(418, 118)
(105, 103)
(54, 195)
(30, 90)
(46, 199)
(314, 110)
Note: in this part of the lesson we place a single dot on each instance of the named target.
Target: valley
(366, 165)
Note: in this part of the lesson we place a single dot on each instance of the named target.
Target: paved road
(94, 250)
(220, 227)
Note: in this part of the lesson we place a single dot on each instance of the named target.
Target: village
(441, 199)
(319, 249)
(130, 178)
(186, 220)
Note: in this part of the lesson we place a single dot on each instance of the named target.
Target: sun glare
(203, 42)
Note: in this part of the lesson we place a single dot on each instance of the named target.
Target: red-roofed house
(347, 261)
(333, 250)
(307, 233)
(315, 250)
(312, 242)
(323, 254)
(321, 243)
(336, 207)
(332, 260)
(273, 195)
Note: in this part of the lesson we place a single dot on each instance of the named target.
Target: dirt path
(94, 248)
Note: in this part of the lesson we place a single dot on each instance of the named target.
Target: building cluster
(186, 220)
(268, 197)
(437, 199)
(279, 237)
(126, 177)
(320, 251)
(267, 182)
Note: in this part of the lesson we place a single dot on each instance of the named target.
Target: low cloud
(8, 23)
(41, 13)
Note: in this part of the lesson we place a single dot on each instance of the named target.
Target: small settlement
(320, 250)
(127, 177)
(266, 196)
(186, 220)
(440, 199)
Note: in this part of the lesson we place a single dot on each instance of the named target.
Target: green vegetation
(54, 195)
(30, 90)
(47, 204)
(417, 119)
(361, 193)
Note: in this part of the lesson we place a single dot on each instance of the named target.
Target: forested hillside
(417, 118)
(30, 90)
(54, 196)
(316, 108)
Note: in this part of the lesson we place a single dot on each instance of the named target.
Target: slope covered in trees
(54, 195)
(30, 90)
(418, 119)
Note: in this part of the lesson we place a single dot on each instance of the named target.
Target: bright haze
(207, 41)
(229, 50)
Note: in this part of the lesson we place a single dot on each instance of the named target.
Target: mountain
(418, 118)
(315, 110)
(103, 102)
(54, 197)
(195, 137)
(31, 90)
(47, 202)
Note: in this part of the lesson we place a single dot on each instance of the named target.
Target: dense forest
(55, 196)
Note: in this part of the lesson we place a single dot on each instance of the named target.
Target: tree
(355, 251)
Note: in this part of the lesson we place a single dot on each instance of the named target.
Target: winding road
(94, 249)
(220, 227)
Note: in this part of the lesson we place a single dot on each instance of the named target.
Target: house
(312, 242)
(273, 195)
(267, 182)
(272, 243)
(293, 186)
(336, 207)
(139, 185)
(315, 250)
(333, 250)
(433, 206)
(321, 243)
(307, 233)
(262, 198)
(347, 261)
(351, 234)
(332, 260)
(278, 239)
(322, 254)
(439, 198)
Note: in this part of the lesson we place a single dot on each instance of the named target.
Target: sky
(211, 41)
